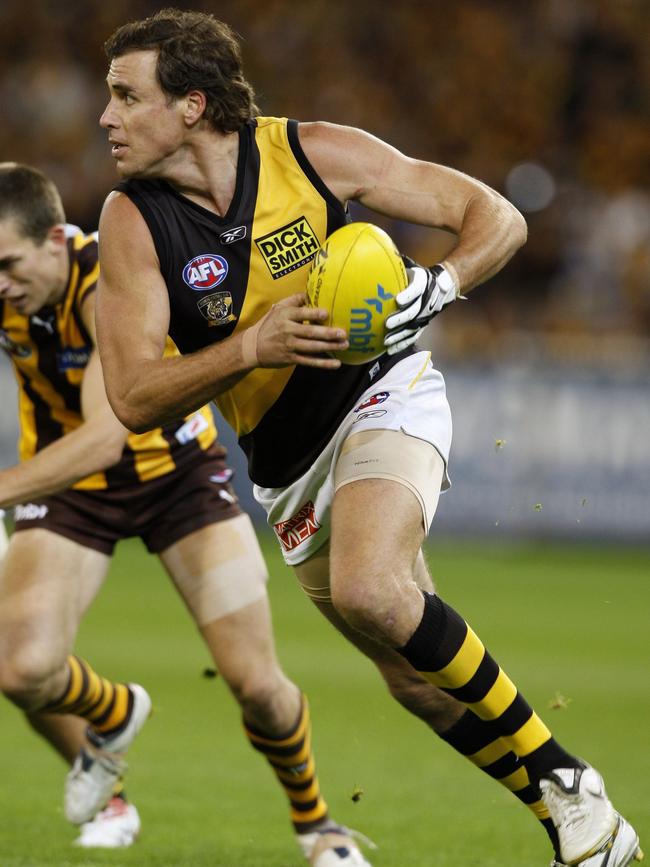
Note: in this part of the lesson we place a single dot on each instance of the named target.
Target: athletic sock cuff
(426, 639)
(303, 714)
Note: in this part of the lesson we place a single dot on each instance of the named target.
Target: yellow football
(355, 276)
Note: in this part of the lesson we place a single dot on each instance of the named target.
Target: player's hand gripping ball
(355, 276)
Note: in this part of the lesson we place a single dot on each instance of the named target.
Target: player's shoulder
(335, 143)
(127, 199)
(125, 240)
(343, 156)
(118, 201)
(327, 132)
(120, 216)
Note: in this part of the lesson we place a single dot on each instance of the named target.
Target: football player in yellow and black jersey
(83, 483)
(208, 238)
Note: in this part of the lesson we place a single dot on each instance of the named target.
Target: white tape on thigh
(234, 576)
(393, 455)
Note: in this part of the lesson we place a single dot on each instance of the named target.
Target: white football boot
(590, 831)
(117, 826)
(333, 846)
(92, 778)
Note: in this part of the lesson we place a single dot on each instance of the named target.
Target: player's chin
(121, 168)
(127, 168)
(130, 169)
(124, 170)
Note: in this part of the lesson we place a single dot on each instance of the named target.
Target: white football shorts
(410, 398)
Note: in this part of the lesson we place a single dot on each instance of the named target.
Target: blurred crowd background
(544, 100)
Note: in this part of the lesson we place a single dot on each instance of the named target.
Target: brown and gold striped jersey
(50, 350)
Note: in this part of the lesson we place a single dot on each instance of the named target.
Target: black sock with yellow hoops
(447, 653)
(104, 704)
(486, 749)
(290, 755)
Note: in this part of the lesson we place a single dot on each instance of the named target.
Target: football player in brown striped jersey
(82, 484)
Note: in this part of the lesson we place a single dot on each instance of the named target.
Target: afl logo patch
(205, 271)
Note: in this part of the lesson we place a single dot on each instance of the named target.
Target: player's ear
(56, 235)
(195, 104)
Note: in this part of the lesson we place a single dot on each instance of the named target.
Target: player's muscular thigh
(46, 584)
(218, 569)
(377, 532)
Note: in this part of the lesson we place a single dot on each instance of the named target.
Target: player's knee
(25, 672)
(256, 692)
(366, 608)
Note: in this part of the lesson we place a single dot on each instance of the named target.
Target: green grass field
(568, 620)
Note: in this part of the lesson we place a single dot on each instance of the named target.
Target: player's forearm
(492, 231)
(92, 448)
(163, 390)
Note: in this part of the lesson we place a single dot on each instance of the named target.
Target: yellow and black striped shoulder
(83, 251)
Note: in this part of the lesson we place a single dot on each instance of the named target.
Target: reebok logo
(232, 235)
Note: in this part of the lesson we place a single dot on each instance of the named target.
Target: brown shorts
(161, 511)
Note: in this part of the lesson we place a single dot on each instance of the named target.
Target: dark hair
(29, 197)
(195, 50)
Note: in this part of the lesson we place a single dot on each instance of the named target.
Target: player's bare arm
(93, 447)
(357, 166)
(146, 389)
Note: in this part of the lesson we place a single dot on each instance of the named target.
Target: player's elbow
(137, 407)
(134, 419)
(512, 231)
(140, 425)
(518, 232)
(132, 414)
(500, 220)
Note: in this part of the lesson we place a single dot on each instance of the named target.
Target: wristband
(249, 345)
